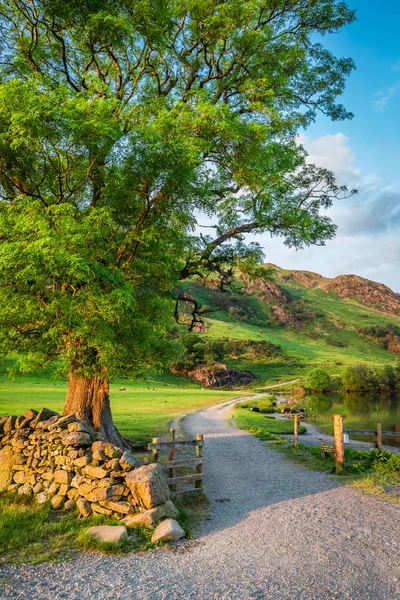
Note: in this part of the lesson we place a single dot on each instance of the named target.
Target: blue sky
(364, 152)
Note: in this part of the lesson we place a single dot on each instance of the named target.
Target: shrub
(318, 380)
(387, 466)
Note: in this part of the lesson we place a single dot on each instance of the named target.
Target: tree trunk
(88, 398)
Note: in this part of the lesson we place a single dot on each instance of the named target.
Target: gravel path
(276, 531)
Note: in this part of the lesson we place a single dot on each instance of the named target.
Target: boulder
(168, 531)
(148, 486)
(109, 533)
(151, 517)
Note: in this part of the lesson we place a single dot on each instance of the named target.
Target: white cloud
(368, 237)
(383, 97)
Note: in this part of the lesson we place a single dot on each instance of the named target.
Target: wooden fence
(338, 442)
(175, 481)
(378, 433)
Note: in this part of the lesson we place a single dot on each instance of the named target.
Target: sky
(364, 153)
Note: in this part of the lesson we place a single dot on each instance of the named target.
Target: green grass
(263, 426)
(359, 471)
(34, 534)
(139, 413)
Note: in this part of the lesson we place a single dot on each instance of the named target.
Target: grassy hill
(314, 321)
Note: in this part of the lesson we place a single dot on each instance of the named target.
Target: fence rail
(174, 480)
(338, 439)
(371, 432)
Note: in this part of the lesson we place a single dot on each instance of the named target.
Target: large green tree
(122, 122)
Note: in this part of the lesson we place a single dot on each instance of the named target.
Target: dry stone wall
(61, 459)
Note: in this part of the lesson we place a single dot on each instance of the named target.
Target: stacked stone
(63, 460)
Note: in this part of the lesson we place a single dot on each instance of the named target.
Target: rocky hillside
(307, 319)
(351, 287)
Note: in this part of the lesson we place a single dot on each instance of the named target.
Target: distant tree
(121, 123)
(386, 378)
(318, 380)
(359, 378)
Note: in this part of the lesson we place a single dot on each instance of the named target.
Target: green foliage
(318, 380)
(387, 463)
(363, 378)
(119, 122)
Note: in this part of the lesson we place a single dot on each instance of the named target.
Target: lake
(360, 411)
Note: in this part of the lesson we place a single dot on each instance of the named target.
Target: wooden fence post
(295, 432)
(379, 436)
(338, 443)
(155, 450)
(199, 454)
(172, 457)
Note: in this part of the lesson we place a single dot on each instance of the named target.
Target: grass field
(263, 426)
(139, 413)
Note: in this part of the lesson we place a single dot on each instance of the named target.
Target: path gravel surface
(276, 531)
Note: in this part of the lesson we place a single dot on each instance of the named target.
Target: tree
(359, 378)
(318, 380)
(121, 123)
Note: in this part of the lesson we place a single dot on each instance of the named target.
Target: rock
(79, 426)
(30, 414)
(220, 375)
(70, 505)
(168, 531)
(97, 508)
(109, 533)
(112, 451)
(43, 415)
(7, 460)
(20, 477)
(96, 472)
(42, 497)
(64, 488)
(73, 494)
(84, 507)
(128, 461)
(54, 487)
(120, 507)
(148, 486)
(151, 517)
(2, 423)
(25, 489)
(65, 421)
(57, 502)
(10, 423)
(97, 450)
(114, 492)
(63, 477)
(83, 461)
(76, 438)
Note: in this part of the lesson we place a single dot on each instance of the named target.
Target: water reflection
(361, 411)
